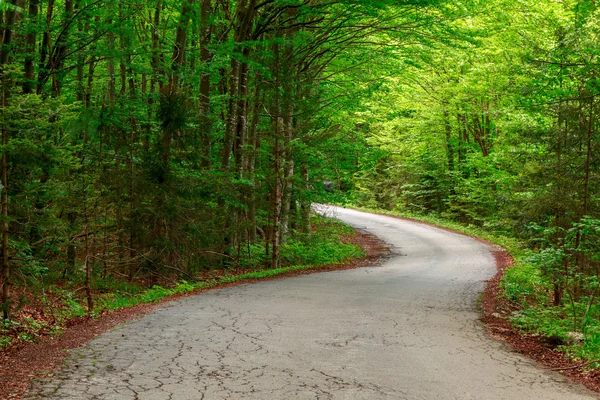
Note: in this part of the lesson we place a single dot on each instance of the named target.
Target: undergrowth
(51, 309)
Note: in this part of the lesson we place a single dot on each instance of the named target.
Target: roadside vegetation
(499, 135)
(572, 327)
(49, 306)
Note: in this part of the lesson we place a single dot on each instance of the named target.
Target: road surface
(407, 329)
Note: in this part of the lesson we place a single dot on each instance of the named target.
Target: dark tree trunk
(5, 53)
(30, 39)
(59, 55)
(205, 58)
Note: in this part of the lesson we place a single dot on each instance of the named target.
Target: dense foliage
(156, 140)
(500, 131)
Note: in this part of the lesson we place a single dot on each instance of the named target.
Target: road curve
(407, 329)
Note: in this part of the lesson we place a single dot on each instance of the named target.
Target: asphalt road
(407, 329)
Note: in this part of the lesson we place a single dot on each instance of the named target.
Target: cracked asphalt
(407, 329)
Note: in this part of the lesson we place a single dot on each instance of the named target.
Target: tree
(177, 136)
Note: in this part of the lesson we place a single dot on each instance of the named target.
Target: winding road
(407, 329)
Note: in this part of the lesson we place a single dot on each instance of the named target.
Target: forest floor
(26, 361)
(496, 315)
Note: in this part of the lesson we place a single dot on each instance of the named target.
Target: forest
(152, 142)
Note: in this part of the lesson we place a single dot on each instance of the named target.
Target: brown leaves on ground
(496, 314)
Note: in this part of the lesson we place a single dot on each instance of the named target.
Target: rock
(576, 337)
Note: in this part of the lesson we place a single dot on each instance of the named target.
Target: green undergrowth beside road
(156, 293)
(573, 327)
(49, 311)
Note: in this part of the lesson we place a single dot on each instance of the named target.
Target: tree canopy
(145, 138)
(175, 137)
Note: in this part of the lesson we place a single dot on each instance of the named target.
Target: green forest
(148, 144)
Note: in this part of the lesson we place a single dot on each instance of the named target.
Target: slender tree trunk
(232, 110)
(28, 83)
(80, 63)
(60, 53)
(288, 171)
(557, 288)
(4, 59)
(277, 175)
(461, 142)
(111, 95)
(205, 59)
(580, 239)
(43, 70)
(172, 91)
(71, 249)
(132, 222)
(241, 129)
(290, 76)
(5, 225)
(588, 159)
(253, 144)
(125, 59)
(245, 13)
(449, 146)
(178, 59)
(277, 200)
(157, 58)
(170, 94)
(305, 203)
(88, 268)
(119, 212)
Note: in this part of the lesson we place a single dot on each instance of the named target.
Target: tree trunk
(253, 144)
(88, 269)
(288, 171)
(157, 57)
(205, 58)
(59, 55)
(178, 58)
(244, 17)
(277, 168)
(45, 49)
(4, 59)
(558, 212)
(241, 129)
(28, 83)
(111, 95)
(305, 203)
(277, 200)
(449, 146)
(5, 228)
(588, 159)
(232, 110)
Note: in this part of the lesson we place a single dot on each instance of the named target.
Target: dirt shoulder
(20, 364)
(496, 314)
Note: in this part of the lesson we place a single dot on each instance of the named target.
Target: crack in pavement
(407, 329)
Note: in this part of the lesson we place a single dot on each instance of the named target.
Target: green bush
(523, 283)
